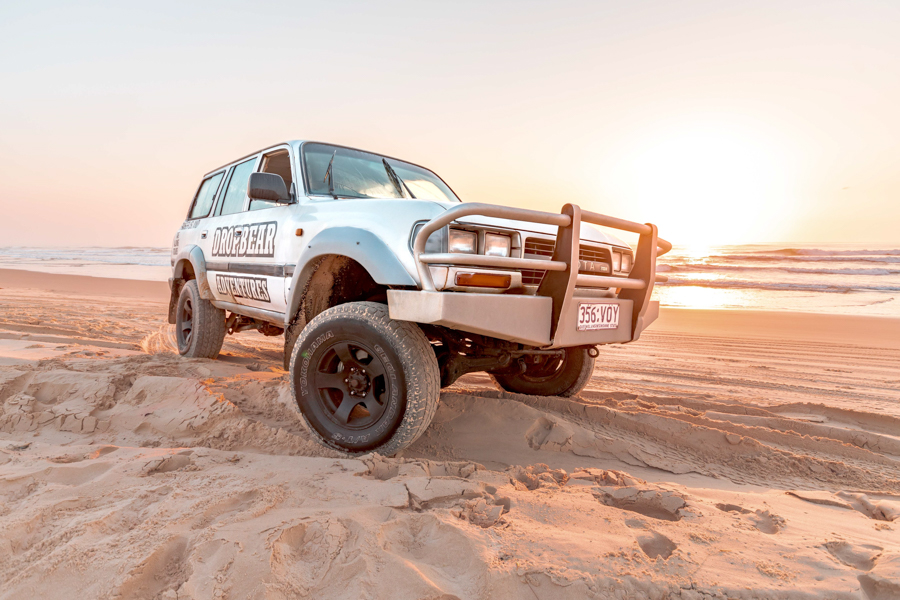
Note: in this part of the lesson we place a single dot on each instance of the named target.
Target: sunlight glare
(710, 183)
(698, 297)
(695, 251)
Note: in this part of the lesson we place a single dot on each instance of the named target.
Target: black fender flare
(192, 255)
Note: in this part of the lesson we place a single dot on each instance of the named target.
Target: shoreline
(82, 284)
(856, 330)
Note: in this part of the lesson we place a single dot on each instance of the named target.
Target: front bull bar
(562, 277)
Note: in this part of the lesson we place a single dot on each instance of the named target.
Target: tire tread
(208, 327)
(510, 383)
(417, 360)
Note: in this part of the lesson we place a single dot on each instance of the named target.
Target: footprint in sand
(763, 520)
(732, 508)
(861, 557)
(168, 464)
(882, 582)
(657, 504)
(766, 522)
(656, 545)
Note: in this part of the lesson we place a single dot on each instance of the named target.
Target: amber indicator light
(489, 280)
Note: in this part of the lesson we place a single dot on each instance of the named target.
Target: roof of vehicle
(296, 143)
(603, 237)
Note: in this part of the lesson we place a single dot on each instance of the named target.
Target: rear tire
(551, 377)
(362, 381)
(199, 326)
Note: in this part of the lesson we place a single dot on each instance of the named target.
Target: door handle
(203, 235)
(238, 232)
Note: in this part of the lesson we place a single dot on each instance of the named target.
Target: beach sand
(724, 455)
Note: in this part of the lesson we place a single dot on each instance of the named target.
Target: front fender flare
(363, 246)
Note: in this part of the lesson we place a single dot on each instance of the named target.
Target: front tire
(362, 381)
(199, 326)
(551, 376)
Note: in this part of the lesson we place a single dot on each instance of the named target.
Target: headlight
(496, 244)
(627, 262)
(463, 242)
(435, 242)
(617, 261)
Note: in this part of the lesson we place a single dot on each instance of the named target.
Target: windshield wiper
(329, 176)
(395, 179)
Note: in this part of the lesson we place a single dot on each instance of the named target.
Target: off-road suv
(387, 287)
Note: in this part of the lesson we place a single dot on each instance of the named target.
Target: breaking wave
(823, 252)
(755, 268)
(879, 258)
(799, 287)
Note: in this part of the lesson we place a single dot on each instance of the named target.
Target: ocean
(825, 278)
(129, 262)
(858, 279)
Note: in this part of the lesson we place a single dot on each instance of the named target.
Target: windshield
(358, 174)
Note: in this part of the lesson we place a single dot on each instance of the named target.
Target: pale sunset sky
(722, 122)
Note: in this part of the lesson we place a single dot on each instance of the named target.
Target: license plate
(597, 315)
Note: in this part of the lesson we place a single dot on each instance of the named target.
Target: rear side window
(236, 193)
(205, 195)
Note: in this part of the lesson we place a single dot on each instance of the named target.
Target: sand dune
(696, 465)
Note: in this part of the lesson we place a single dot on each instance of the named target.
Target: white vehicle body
(388, 288)
(259, 263)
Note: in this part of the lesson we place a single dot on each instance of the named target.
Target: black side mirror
(267, 186)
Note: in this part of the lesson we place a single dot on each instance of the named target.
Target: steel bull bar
(549, 318)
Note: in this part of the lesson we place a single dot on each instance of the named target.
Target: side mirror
(267, 186)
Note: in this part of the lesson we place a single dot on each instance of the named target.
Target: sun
(709, 184)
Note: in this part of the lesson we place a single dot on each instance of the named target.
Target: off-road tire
(407, 363)
(567, 381)
(207, 324)
(290, 340)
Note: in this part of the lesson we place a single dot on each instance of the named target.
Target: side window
(205, 195)
(236, 192)
(279, 163)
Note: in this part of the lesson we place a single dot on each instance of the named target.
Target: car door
(245, 263)
(233, 259)
(282, 161)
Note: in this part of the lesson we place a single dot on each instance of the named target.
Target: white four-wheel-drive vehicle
(387, 287)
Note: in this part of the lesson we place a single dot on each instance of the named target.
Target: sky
(722, 123)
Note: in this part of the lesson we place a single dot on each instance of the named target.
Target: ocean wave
(791, 287)
(823, 252)
(879, 258)
(22, 255)
(882, 301)
(712, 268)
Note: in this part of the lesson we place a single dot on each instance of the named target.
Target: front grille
(536, 248)
(594, 254)
(532, 276)
(540, 248)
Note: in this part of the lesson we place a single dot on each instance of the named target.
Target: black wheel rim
(186, 323)
(350, 385)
